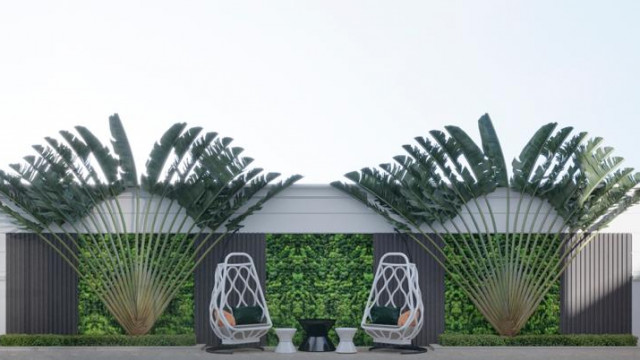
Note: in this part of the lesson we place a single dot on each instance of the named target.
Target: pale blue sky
(319, 87)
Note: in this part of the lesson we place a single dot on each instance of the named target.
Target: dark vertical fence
(254, 245)
(431, 276)
(41, 288)
(596, 288)
(595, 292)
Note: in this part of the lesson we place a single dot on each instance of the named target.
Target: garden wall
(596, 290)
(42, 296)
(323, 209)
(595, 299)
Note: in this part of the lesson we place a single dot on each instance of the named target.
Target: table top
(346, 329)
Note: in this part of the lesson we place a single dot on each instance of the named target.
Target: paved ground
(195, 353)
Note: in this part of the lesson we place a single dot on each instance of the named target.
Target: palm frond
(562, 184)
(69, 194)
(160, 154)
(493, 150)
(122, 148)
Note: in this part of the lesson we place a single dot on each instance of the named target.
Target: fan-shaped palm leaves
(78, 194)
(564, 188)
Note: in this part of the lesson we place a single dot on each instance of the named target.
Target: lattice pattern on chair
(237, 284)
(395, 284)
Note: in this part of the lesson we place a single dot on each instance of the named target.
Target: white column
(3, 283)
(635, 306)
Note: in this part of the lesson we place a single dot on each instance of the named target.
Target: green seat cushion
(246, 315)
(385, 315)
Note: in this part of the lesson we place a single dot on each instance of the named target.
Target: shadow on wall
(596, 291)
(41, 288)
(584, 313)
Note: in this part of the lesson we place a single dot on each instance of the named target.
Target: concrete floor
(194, 353)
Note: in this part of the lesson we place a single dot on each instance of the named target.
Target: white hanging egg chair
(237, 287)
(395, 288)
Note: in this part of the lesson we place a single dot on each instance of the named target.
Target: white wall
(5, 227)
(629, 222)
(635, 306)
(323, 209)
(315, 209)
(3, 283)
(134, 220)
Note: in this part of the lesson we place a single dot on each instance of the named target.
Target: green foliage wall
(461, 316)
(95, 319)
(318, 276)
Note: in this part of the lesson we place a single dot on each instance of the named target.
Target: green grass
(539, 340)
(96, 340)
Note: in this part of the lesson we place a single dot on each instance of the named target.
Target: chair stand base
(404, 349)
(230, 349)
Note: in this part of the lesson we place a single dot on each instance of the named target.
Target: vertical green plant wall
(318, 276)
(462, 316)
(95, 319)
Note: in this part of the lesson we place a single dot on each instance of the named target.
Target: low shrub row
(539, 340)
(445, 340)
(96, 340)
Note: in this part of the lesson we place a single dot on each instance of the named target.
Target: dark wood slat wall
(254, 245)
(41, 288)
(596, 288)
(595, 291)
(431, 278)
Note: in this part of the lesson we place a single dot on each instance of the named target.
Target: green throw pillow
(246, 315)
(385, 315)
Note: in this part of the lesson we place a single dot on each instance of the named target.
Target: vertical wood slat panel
(254, 245)
(595, 291)
(595, 295)
(42, 293)
(431, 278)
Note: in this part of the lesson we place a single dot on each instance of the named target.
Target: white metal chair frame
(395, 284)
(237, 284)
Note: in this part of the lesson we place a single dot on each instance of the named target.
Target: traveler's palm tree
(71, 195)
(563, 190)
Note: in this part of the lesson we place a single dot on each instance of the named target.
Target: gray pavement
(195, 353)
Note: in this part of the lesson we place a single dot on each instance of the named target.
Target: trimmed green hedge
(318, 276)
(96, 340)
(539, 340)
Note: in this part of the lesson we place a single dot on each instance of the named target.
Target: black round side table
(316, 331)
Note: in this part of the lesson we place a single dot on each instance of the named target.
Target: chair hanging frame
(395, 284)
(237, 284)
